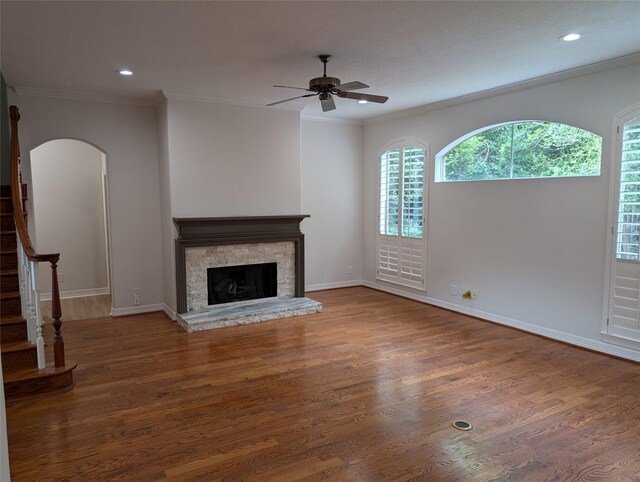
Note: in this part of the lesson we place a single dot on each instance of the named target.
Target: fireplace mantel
(198, 232)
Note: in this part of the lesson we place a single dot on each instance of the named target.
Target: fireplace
(228, 284)
(239, 270)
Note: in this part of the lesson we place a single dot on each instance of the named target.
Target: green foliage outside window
(401, 192)
(524, 150)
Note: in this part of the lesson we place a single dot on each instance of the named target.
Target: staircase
(19, 337)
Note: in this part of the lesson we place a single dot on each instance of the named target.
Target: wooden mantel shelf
(192, 228)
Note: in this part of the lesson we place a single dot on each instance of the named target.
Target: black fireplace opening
(240, 283)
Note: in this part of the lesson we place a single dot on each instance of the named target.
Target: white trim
(84, 96)
(400, 143)
(622, 352)
(612, 220)
(331, 120)
(76, 293)
(211, 100)
(615, 63)
(330, 286)
(136, 310)
(620, 341)
(169, 312)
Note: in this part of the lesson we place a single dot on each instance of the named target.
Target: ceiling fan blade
(292, 98)
(288, 87)
(328, 104)
(380, 99)
(353, 86)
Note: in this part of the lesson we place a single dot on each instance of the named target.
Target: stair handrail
(25, 240)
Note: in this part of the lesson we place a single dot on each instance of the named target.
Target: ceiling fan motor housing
(323, 84)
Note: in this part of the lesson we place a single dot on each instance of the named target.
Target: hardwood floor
(366, 391)
(81, 308)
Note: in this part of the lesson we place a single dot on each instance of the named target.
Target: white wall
(128, 135)
(332, 195)
(229, 160)
(533, 250)
(68, 210)
(221, 160)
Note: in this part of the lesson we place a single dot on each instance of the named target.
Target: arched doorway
(70, 216)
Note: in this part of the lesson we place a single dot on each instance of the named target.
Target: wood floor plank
(365, 390)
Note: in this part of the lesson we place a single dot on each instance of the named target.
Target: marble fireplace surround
(217, 235)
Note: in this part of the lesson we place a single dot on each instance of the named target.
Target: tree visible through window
(519, 150)
(401, 191)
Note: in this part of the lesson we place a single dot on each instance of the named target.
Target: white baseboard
(136, 310)
(337, 284)
(595, 345)
(169, 312)
(76, 293)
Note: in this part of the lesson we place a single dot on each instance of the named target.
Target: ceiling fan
(326, 87)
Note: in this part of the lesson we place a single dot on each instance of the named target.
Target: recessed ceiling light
(362, 101)
(125, 72)
(570, 37)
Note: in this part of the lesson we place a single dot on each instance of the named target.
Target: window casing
(401, 215)
(628, 235)
(521, 150)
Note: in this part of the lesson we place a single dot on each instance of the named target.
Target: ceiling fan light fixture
(326, 87)
(570, 37)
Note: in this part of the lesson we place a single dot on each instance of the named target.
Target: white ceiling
(416, 53)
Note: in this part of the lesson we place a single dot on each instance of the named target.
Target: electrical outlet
(60, 278)
(349, 269)
(453, 290)
(136, 301)
(136, 292)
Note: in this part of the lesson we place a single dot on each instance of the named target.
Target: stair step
(13, 328)
(9, 282)
(28, 382)
(10, 320)
(10, 306)
(18, 355)
(9, 295)
(8, 259)
(9, 272)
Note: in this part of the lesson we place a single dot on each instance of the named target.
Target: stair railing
(27, 259)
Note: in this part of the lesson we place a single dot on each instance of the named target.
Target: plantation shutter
(624, 302)
(400, 244)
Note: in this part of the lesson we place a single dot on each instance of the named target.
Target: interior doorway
(70, 216)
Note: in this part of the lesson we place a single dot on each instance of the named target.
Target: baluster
(30, 317)
(56, 314)
(39, 339)
(22, 261)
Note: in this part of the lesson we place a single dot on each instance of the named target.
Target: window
(519, 150)
(401, 215)
(628, 239)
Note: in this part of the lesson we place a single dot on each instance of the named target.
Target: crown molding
(213, 100)
(332, 120)
(611, 64)
(84, 96)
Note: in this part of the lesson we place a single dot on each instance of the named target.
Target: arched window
(520, 150)
(401, 203)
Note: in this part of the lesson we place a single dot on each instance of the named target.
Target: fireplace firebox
(228, 284)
